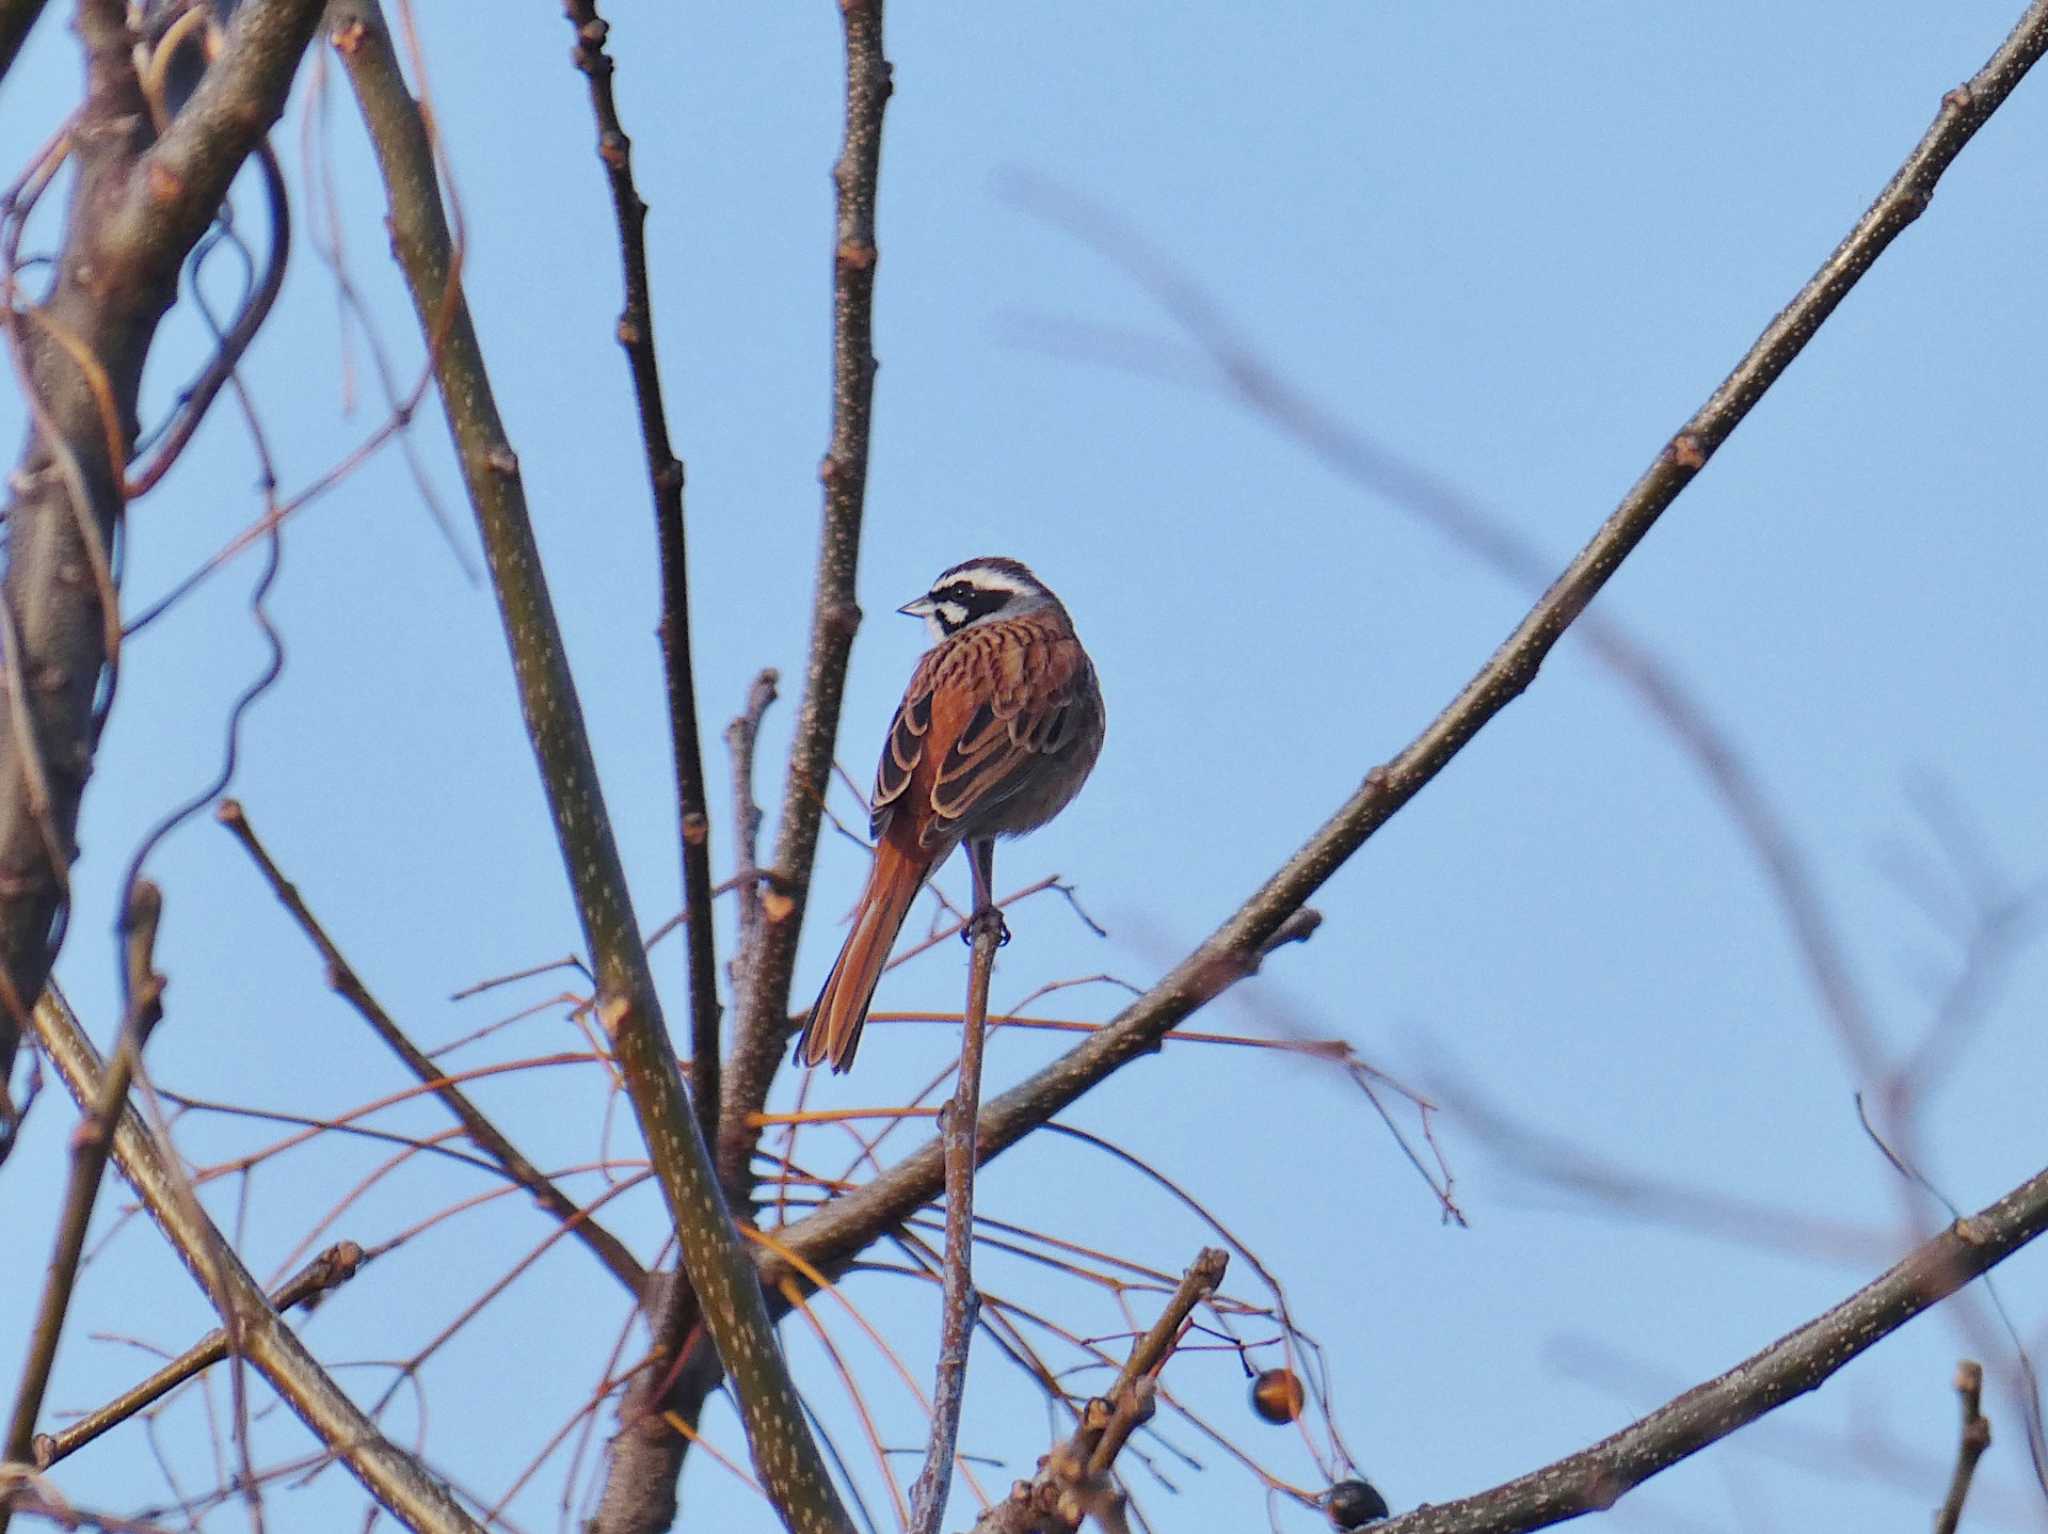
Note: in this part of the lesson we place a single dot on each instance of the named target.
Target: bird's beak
(923, 607)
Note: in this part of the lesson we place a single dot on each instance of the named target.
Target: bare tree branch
(1074, 1480)
(665, 479)
(764, 1030)
(845, 1225)
(1595, 1478)
(484, 1134)
(960, 1302)
(721, 1274)
(136, 212)
(325, 1273)
(90, 1144)
(386, 1471)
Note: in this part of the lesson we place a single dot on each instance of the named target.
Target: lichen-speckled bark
(721, 1274)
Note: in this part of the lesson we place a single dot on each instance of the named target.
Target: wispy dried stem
(484, 1134)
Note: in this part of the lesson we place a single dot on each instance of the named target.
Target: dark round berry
(1354, 1504)
(1277, 1395)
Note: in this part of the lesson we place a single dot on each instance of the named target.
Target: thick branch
(135, 214)
(665, 480)
(720, 1271)
(1595, 1478)
(763, 1008)
(386, 1471)
(845, 1225)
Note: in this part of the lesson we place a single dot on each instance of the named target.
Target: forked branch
(1075, 1480)
(720, 1272)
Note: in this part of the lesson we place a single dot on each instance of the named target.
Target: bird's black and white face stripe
(975, 592)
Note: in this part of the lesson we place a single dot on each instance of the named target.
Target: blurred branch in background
(1596, 1478)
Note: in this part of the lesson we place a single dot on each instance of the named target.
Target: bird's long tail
(832, 1031)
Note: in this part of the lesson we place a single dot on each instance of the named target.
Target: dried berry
(1277, 1395)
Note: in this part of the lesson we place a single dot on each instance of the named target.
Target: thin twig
(330, 1270)
(484, 1134)
(960, 1301)
(665, 480)
(741, 738)
(220, 367)
(763, 1028)
(91, 1143)
(845, 1225)
(721, 1273)
(386, 1471)
(1976, 1438)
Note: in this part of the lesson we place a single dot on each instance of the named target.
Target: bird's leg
(981, 858)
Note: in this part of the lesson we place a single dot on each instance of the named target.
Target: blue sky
(1517, 245)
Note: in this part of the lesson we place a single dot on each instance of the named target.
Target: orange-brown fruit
(1277, 1395)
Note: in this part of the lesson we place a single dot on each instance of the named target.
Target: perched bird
(996, 733)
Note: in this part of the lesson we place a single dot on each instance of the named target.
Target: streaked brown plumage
(997, 731)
